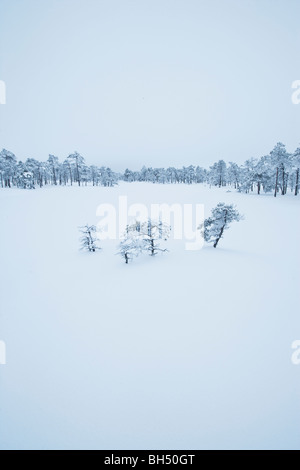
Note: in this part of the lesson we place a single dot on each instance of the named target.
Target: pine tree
(25, 180)
(129, 248)
(222, 216)
(143, 237)
(152, 231)
(131, 245)
(87, 241)
(217, 174)
(281, 160)
(54, 165)
(76, 164)
(8, 163)
(234, 175)
(296, 162)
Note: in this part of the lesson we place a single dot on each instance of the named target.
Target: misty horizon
(160, 84)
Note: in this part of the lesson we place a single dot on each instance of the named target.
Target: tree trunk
(276, 182)
(70, 170)
(219, 237)
(286, 183)
(283, 183)
(54, 175)
(221, 231)
(297, 182)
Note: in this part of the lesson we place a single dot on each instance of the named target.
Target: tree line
(278, 172)
(32, 173)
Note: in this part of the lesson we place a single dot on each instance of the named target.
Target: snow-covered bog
(185, 349)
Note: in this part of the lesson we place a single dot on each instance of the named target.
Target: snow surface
(186, 350)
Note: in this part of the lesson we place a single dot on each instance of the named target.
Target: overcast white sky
(155, 82)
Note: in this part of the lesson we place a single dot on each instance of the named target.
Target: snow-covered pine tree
(152, 231)
(87, 240)
(54, 165)
(129, 248)
(217, 174)
(281, 161)
(296, 161)
(8, 163)
(133, 229)
(25, 180)
(234, 175)
(131, 245)
(76, 164)
(108, 177)
(222, 216)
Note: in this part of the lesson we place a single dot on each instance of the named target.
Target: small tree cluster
(222, 216)
(143, 237)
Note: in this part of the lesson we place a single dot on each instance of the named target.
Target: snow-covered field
(187, 350)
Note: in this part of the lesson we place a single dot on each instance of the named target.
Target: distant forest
(277, 172)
